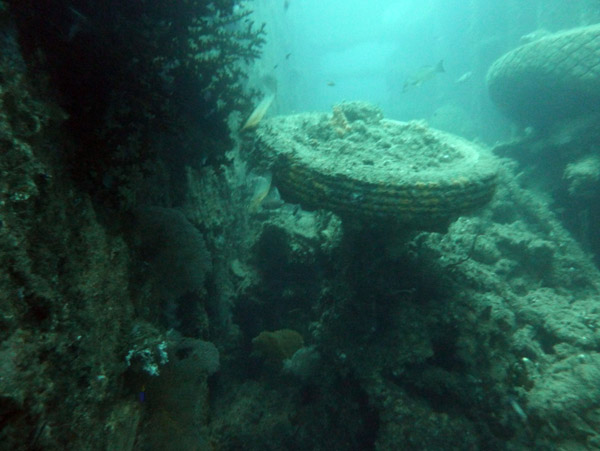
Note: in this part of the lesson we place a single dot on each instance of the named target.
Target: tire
(552, 78)
(378, 169)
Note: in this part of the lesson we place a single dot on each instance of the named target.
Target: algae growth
(154, 296)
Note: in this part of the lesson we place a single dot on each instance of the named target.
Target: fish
(424, 74)
(272, 200)
(269, 85)
(259, 112)
(262, 186)
(286, 5)
(331, 83)
(463, 78)
(287, 56)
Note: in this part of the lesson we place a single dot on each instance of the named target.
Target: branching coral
(148, 84)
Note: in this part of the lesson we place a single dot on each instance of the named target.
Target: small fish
(331, 83)
(262, 186)
(272, 200)
(287, 57)
(424, 74)
(286, 5)
(463, 78)
(518, 409)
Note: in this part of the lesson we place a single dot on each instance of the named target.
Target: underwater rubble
(482, 337)
(157, 300)
(550, 86)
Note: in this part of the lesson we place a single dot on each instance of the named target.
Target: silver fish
(422, 75)
(464, 78)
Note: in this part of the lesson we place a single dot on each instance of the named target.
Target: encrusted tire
(355, 163)
(554, 77)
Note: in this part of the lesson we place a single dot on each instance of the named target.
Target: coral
(339, 122)
(194, 356)
(148, 349)
(304, 363)
(360, 111)
(148, 85)
(583, 177)
(179, 397)
(174, 249)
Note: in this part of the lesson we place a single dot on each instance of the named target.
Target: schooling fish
(422, 75)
